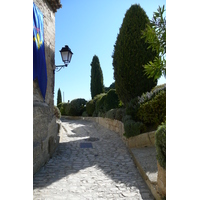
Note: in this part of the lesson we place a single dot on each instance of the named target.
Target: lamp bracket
(59, 67)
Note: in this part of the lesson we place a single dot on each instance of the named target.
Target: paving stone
(105, 171)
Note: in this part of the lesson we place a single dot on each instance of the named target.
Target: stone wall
(45, 129)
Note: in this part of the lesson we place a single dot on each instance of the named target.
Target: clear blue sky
(88, 28)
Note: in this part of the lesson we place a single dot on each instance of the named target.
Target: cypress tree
(59, 97)
(130, 54)
(96, 85)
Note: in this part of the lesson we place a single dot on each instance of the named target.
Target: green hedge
(102, 103)
(120, 113)
(90, 107)
(99, 103)
(133, 106)
(75, 108)
(59, 105)
(133, 128)
(63, 107)
(111, 100)
(160, 142)
(153, 111)
(148, 110)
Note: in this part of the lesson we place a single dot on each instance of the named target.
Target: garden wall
(142, 140)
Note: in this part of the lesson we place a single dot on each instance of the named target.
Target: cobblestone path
(91, 162)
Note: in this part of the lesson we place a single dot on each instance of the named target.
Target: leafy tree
(155, 36)
(59, 97)
(131, 52)
(96, 85)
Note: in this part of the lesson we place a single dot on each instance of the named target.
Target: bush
(57, 112)
(102, 103)
(132, 108)
(132, 128)
(64, 108)
(99, 103)
(59, 105)
(120, 113)
(160, 142)
(125, 118)
(154, 111)
(158, 88)
(84, 114)
(77, 107)
(90, 107)
(112, 86)
(111, 114)
(111, 100)
(150, 95)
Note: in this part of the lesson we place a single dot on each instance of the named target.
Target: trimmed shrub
(125, 118)
(65, 108)
(158, 88)
(111, 114)
(77, 107)
(57, 112)
(160, 142)
(120, 113)
(90, 107)
(111, 100)
(112, 86)
(150, 95)
(59, 105)
(99, 103)
(84, 114)
(153, 111)
(102, 103)
(132, 128)
(132, 108)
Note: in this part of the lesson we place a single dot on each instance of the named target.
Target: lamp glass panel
(65, 55)
(70, 56)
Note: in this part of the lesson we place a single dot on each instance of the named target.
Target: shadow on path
(107, 160)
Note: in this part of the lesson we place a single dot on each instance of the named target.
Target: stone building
(45, 128)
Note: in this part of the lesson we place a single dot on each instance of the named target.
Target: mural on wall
(39, 62)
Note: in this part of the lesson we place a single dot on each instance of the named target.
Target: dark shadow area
(108, 153)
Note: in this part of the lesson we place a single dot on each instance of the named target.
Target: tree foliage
(155, 36)
(59, 97)
(160, 143)
(75, 108)
(131, 52)
(112, 86)
(96, 85)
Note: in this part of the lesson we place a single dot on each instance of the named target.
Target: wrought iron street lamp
(66, 55)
